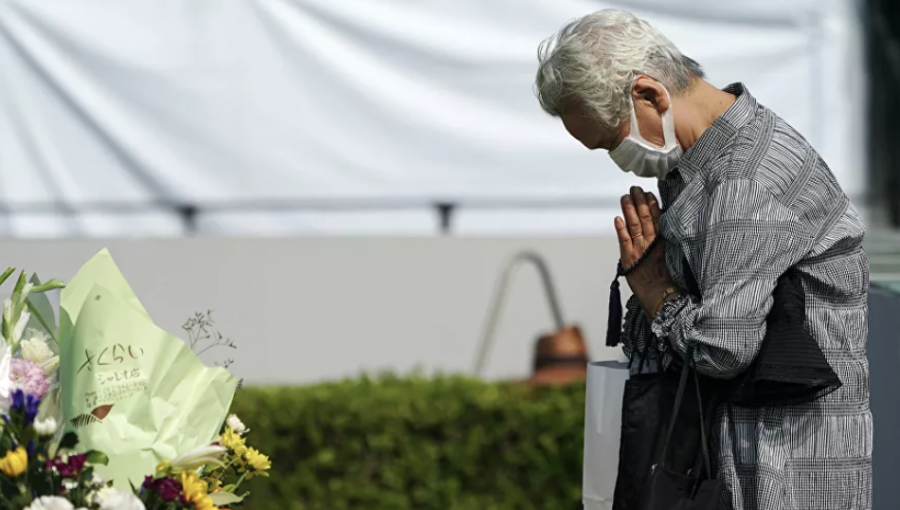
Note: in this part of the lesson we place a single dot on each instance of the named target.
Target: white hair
(594, 60)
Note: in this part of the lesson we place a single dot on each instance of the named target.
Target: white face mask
(641, 157)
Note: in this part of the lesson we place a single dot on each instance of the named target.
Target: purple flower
(76, 463)
(28, 377)
(72, 466)
(147, 485)
(27, 403)
(168, 489)
(18, 399)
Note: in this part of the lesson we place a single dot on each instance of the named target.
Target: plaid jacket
(748, 201)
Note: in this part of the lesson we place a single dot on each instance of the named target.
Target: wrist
(671, 295)
(656, 297)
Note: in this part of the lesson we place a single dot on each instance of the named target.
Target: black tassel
(614, 328)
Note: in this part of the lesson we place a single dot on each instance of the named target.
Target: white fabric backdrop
(131, 103)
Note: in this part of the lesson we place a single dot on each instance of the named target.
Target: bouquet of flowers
(208, 477)
(92, 408)
(29, 359)
(36, 474)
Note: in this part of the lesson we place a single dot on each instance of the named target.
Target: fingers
(624, 236)
(639, 198)
(632, 221)
(639, 224)
(655, 211)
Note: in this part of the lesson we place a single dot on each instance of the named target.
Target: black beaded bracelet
(614, 326)
(620, 271)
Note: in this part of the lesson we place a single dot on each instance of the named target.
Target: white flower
(35, 347)
(100, 495)
(120, 500)
(198, 457)
(5, 381)
(37, 334)
(16, 327)
(45, 427)
(50, 365)
(51, 503)
(70, 484)
(236, 425)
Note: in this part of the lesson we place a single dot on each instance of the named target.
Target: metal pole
(502, 290)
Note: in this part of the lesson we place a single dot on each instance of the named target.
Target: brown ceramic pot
(560, 358)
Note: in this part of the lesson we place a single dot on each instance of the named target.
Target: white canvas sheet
(155, 103)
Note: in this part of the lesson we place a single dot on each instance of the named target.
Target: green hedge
(386, 443)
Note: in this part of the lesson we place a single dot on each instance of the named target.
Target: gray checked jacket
(748, 201)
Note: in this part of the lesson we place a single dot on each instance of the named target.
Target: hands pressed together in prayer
(650, 281)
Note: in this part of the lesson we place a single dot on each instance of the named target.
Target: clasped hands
(638, 227)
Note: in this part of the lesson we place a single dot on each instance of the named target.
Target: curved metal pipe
(500, 296)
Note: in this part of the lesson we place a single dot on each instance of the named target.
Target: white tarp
(114, 112)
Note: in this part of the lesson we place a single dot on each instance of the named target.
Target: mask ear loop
(670, 141)
(668, 126)
(634, 131)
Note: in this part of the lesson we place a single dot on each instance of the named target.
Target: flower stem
(240, 481)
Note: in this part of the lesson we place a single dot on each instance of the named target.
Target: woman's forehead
(582, 125)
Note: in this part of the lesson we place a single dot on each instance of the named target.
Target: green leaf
(45, 287)
(36, 313)
(6, 274)
(69, 441)
(40, 301)
(97, 458)
(18, 300)
(20, 283)
(222, 498)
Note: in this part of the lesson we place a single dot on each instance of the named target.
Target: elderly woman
(746, 198)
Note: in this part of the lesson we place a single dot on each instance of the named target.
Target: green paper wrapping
(164, 400)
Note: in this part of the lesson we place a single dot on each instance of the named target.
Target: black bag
(648, 407)
(790, 367)
(671, 488)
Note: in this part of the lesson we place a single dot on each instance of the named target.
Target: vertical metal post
(188, 214)
(445, 212)
(506, 277)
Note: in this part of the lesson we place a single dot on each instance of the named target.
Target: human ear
(651, 93)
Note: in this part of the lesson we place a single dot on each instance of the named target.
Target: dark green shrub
(448, 443)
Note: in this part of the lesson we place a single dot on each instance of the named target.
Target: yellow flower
(257, 461)
(194, 490)
(234, 442)
(15, 462)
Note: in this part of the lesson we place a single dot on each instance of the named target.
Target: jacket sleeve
(744, 240)
(636, 333)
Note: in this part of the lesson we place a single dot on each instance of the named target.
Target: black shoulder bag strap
(686, 370)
